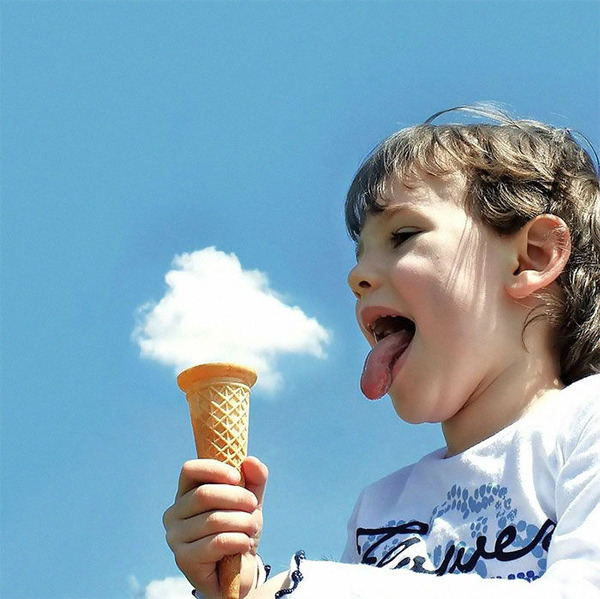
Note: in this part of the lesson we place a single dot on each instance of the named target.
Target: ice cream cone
(218, 396)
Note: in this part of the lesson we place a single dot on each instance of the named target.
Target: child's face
(426, 259)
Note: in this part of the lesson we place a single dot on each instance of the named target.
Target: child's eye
(402, 235)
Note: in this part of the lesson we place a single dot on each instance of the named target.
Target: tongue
(377, 372)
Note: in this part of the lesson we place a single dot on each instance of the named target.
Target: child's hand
(211, 518)
(268, 590)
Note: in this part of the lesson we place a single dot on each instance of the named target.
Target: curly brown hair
(515, 170)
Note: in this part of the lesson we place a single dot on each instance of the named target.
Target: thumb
(255, 475)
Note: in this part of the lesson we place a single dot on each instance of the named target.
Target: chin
(417, 409)
(408, 413)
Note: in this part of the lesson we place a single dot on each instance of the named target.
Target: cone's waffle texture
(218, 396)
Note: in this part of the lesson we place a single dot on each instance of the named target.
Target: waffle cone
(219, 396)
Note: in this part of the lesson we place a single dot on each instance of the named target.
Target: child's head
(515, 171)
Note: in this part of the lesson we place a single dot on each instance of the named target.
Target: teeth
(386, 325)
(383, 333)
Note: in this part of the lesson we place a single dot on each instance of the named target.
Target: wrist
(261, 573)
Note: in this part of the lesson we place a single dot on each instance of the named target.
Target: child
(478, 286)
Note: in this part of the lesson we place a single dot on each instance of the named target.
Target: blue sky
(135, 132)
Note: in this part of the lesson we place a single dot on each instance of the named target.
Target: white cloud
(215, 311)
(167, 588)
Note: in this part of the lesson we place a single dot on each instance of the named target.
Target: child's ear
(541, 250)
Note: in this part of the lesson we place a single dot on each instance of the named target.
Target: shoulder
(575, 416)
(566, 411)
(584, 389)
(579, 404)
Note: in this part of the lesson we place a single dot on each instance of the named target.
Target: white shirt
(517, 514)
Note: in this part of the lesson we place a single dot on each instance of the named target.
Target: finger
(216, 547)
(214, 523)
(209, 498)
(256, 475)
(198, 472)
(183, 532)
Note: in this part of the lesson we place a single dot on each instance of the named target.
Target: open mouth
(392, 335)
(384, 326)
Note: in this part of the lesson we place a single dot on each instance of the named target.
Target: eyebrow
(395, 209)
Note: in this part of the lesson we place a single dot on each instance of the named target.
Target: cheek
(412, 275)
(423, 284)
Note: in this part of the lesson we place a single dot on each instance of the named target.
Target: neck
(500, 402)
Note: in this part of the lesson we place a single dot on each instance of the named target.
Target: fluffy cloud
(214, 310)
(168, 588)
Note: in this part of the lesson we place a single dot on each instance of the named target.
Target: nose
(362, 279)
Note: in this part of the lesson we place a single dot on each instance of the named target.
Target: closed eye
(402, 235)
